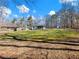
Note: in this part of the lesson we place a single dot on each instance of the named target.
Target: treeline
(66, 17)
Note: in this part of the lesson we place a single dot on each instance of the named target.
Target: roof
(8, 25)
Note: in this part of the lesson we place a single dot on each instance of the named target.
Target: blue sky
(43, 7)
(36, 7)
(19, 8)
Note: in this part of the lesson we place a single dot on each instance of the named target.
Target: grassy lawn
(44, 35)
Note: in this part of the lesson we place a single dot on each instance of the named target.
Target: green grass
(4, 37)
(44, 35)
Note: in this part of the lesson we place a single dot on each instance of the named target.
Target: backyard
(39, 29)
(40, 44)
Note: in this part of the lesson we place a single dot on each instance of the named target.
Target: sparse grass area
(44, 35)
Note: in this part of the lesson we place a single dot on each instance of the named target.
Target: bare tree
(67, 15)
(30, 22)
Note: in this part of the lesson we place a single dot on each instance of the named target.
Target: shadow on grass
(37, 47)
(63, 42)
(72, 43)
(67, 41)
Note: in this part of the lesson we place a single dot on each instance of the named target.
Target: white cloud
(74, 4)
(66, 1)
(4, 11)
(23, 9)
(51, 13)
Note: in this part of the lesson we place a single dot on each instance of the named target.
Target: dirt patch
(36, 50)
